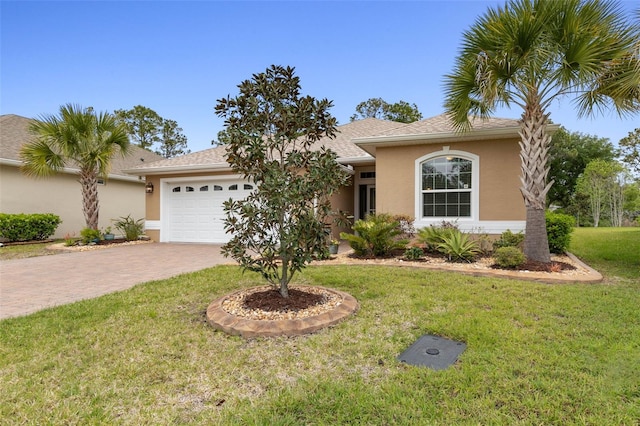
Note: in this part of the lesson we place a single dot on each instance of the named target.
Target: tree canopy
(531, 52)
(269, 132)
(569, 154)
(630, 150)
(148, 130)
(401, 111)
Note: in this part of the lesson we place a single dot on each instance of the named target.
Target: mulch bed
(271, 301)
(532, 265)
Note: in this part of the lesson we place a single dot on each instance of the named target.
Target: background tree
(269, 131)
(142, 124)
(77, 137)
(600, 183)
(530, 53)
(148, 130)
(569, 154)
(401, 111)
(630, 150)
(174, 143)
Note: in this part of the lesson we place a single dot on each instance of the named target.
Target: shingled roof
(214, 158)
(14, 132)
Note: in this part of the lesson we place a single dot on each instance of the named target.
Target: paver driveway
(28, 285)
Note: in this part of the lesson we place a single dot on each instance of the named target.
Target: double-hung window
(446, 187)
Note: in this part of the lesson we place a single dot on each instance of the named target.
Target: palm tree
(531, 52)
(77, 138)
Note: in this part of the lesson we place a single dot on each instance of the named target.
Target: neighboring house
(120, 195)
(423, 169)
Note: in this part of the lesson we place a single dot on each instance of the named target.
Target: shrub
(130, 228)
(375, 236)
(458, 247)
(559, 229)
(405, 225)
(509, 257)
(28, 227)
(436, 234)
(509, 239)
(90, 235)
(413, 253)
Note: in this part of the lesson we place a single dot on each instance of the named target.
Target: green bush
(509, 239)
(509, 257)
(458, 247)
(130, 228)
(90, 235)
(414, 253)
(559, 229)
(28, 227)
(375, 236)
(433, 235)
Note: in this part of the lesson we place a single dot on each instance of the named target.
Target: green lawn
(536, 354)
(613, 251)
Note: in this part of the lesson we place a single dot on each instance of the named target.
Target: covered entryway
(194, 211)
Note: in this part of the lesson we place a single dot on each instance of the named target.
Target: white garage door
(196, 212)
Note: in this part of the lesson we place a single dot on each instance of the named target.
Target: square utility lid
(433, 352)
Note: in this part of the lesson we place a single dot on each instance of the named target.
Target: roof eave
(369, 144)
(195, 168)
(72, 171)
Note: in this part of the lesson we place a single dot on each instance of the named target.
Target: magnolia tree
(270, 132)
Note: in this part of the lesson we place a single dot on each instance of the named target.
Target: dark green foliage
(90, 235)
(402, 111)
(269, 133)
(130, 228)
(559, 228)
(458, 247)
(569, 154)
(414, 253)
(509, 239)
(28, 227)
(147, 129)
(509, 257)
(434, 235)
(375, 236)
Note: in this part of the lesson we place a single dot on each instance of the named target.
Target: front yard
(536, 353)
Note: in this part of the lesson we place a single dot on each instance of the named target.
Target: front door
(367, 196)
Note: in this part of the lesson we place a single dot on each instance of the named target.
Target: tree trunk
(284, 277)
(90, 207)
(534, 146)
(536, 242)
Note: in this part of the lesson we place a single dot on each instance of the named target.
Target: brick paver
(32, 284)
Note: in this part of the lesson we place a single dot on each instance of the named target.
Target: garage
(194, 209)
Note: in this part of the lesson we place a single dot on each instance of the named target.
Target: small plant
(90, 235)
(107, 230)
(435, 234)
(458, 247)
(69, 240)
(509, 239)
(509, 257)
(376, 236)
(414, 253)
(130, 228)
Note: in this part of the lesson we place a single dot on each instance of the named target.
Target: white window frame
(466, 221)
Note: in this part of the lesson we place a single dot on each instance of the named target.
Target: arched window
(447, 186)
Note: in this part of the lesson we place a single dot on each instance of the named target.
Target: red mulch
(271, 301)
(532, 265)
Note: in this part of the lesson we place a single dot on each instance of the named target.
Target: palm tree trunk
(90, 207)
(534, 146)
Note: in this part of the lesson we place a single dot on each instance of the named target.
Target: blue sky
(178, 58)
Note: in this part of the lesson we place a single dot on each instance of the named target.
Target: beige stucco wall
(60, 194)
(500, 197)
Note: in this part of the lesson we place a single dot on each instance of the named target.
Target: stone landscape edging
(248, 328)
